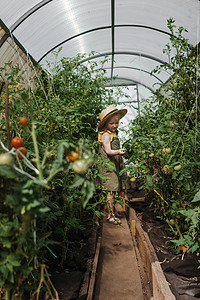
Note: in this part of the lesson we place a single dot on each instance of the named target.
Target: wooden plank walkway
(117, 274)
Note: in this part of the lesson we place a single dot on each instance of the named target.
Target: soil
(181, 271)
(68, 279)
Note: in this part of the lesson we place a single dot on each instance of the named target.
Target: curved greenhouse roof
(132, 33)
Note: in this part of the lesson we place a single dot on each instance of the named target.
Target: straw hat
(108, 112)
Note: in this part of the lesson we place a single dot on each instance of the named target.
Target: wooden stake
(133, 228)
(124, 201)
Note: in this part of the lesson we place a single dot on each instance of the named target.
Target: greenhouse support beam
(127, 53)
(134, 82)
(113, 35)
(137, 69)
(138, 99)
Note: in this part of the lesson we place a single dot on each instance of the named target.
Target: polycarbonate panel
(137, 77)
(85, 44)
(155, 13)
(12, 10)
(140, 29)
(60, 20)
(139, 63)
(137, 39)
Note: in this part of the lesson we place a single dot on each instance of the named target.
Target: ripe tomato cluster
(18, 143)
(183, 249)
(80, 165)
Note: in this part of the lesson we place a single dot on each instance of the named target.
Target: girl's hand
(121, 152)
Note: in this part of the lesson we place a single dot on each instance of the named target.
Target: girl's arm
(107, 146)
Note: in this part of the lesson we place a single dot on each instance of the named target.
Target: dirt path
(118, 275)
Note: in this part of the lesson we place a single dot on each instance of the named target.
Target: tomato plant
(64, 115)
(164, 144)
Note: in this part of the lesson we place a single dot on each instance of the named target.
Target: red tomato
(21, 150)
(72, 156)
(23, 121)
(183, 248)
(17, 142)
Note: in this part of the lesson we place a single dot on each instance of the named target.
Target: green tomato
(168, 150)
(80, 166)
(6, 159)
(172, 222)
(177, 168)
(165, 168)
(133, 179)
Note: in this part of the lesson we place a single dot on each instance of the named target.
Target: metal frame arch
(134, 82)
(29, 13)
(137, 69)
(97, 29)
(124, 52)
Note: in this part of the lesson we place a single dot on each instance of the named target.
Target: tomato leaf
(78, 180)
(111, 166)
(149, 180)
(196, 197)
(8, 172)
(102, 176)
(123, 171)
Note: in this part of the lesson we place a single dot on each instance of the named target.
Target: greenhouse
(100, 150)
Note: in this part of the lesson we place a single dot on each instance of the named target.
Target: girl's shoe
(112, 219)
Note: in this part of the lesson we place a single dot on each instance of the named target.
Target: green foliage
(43, 200)
(164, 143)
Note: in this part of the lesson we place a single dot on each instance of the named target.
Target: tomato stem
(161, 197)
(7, 294)
(178, 229)
(37, 157)
(7, 112)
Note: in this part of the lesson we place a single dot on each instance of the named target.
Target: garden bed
(72, 280)
(181, 270)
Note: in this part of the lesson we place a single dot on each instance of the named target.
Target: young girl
(111, 154)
